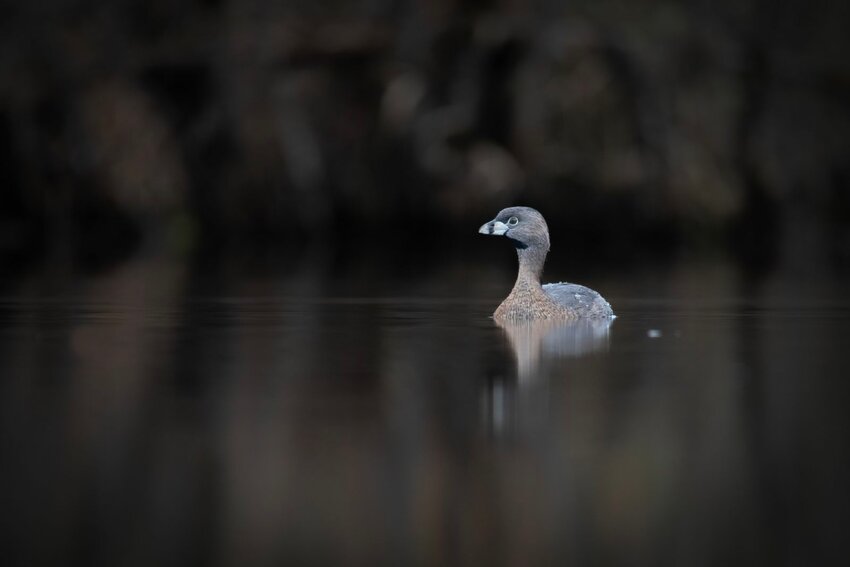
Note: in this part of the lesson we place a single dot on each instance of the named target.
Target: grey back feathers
(579, 298)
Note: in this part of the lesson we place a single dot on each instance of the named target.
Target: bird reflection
(536, 341)
(524, 403)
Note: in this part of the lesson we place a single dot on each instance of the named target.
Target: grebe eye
(513, 221)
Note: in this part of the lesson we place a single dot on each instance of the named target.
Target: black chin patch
(517, 244)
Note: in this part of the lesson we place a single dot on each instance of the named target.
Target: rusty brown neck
(531, 260)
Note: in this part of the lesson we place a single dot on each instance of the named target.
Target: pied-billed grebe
(528, 232)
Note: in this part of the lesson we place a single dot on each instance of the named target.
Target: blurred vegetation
(684, 120)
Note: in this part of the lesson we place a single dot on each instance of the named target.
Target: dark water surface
(152, 415)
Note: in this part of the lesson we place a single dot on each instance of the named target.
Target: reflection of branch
(533, 340)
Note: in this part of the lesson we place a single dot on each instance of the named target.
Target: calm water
(161, 414)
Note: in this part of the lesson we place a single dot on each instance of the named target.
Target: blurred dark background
(645, 125)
